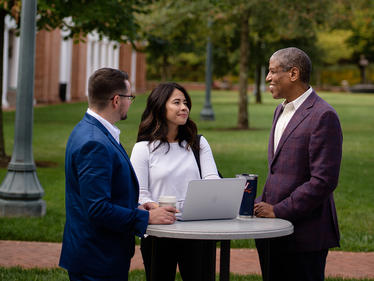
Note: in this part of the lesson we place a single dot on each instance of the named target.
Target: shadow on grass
(4, 162)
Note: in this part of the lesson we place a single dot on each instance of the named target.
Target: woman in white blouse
(164, 164)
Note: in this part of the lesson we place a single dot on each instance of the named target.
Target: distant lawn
(235, 152)
(18, 274)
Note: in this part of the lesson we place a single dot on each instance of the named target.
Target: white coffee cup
(164, 201)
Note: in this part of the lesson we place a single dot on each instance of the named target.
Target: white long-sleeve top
(160, 173)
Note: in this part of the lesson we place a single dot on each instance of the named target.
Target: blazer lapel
(120, 148)
(123, 152)
(97, 123)
(277, 113)
(301, 113)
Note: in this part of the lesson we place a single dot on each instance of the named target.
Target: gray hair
(294, 57)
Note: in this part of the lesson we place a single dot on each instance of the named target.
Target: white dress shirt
(113, 130)
(289, 110)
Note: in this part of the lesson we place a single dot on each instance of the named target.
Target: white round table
(224, 230)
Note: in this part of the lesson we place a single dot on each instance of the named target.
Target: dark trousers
(73, 276)
(195, 258)
(277, 265)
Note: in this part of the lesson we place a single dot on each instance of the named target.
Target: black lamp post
(207, 111)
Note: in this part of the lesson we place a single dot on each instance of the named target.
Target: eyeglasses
(130, 97)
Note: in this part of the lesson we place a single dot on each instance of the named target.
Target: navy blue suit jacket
(101, 203)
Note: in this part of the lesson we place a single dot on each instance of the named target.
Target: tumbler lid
(248, 176)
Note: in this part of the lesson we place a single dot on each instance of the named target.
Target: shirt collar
(299, 101)
(113, 130)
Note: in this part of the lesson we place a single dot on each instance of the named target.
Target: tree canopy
(114, 19)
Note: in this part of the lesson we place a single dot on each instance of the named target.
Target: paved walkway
(243, 261)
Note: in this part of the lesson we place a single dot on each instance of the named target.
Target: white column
(4, 101)
(10, 65)
(110, 52)
(93, 56)
(13, 73)
(113, 54)
(133, 71)
(116, 55)
(96, 54)
(103, 53)
(89, 61)
(65, 65)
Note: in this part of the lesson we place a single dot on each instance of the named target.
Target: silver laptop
(213, 199)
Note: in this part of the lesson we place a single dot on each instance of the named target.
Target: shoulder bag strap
(196, 153)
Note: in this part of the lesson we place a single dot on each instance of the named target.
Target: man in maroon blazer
(304, 155)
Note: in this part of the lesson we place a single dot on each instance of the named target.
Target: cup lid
(167, 199)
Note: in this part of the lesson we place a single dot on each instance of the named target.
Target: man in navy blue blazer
(102, 212)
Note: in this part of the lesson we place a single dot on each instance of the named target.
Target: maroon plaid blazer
(303, 174)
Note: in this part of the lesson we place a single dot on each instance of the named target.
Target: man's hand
(264, 210)
(148, 206)
(162, 215)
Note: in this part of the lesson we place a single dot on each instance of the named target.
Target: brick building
(62, 68)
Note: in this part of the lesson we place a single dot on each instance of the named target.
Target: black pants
(195, 258)
(278, 265)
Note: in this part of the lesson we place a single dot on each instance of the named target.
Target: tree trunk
(243, 120)
(258, 83)
(165, 68)
(3, 156)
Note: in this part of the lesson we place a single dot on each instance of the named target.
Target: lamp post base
(22, 208)
(207, 113)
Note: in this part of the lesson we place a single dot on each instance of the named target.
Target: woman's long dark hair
(153, 125)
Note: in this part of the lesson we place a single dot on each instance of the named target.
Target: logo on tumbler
(248, 190)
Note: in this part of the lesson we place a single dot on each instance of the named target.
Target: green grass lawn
(235, 152)
(18, 274)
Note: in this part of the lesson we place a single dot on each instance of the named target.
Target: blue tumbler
(249, 195)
